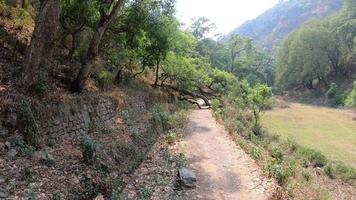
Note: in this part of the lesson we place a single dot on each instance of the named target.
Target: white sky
(226, 14)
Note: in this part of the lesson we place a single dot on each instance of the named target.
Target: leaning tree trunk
(42, 39)
(93, 50)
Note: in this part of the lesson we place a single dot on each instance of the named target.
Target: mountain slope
(286, 16)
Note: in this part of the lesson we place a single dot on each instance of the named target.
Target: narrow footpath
(223, 170)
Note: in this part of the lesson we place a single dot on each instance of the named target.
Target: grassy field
(331, 131)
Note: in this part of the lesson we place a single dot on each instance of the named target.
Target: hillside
(269, 28)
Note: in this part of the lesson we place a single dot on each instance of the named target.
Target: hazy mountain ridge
(269, 28)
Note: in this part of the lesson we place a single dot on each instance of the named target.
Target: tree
(42, 40)
(237, 45)
(259, 99)
(108, 12)
(200, 27)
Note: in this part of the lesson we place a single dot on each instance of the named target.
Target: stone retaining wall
(76, 119)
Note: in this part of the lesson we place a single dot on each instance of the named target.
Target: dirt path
(224, 171)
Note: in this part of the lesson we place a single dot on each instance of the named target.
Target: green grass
(331, 131)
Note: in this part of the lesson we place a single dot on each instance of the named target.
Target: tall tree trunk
(93, 50)
(157, 74)
(42, 39)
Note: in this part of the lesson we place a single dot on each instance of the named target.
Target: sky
(226, 14)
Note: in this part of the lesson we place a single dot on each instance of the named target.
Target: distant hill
(269, 28)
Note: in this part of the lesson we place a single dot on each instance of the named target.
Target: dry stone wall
(77, 118)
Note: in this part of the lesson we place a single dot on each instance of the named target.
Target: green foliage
(145, 193)
(32, 196)
(27, 124)
(27, 174)
(306, 175)
(89, 147)
(178, 119)
(314, 158)
(160, 116)
(332, 92)
(277, 171)
(201, 26)
(105, 78)
(41, 86)
(351, 98)
(277, 153)
(260, 99)
(319, 49)
(180, 160)
(171, 137)
(24, 149)
(256, 153)
(330, 171)
(56, 196)
(348, 174)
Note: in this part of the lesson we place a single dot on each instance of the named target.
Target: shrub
(277, 171)
(32, 196)
(160, 116)
(24, 149)
(350, 175)
(315, 158)
(332, 92)
(88, 147)
(171, 137)
(41, 86)
(145, 193)
(256, 153)
(180, 160)
(351, 98)
(27, 124)
(291, 144)
(178, 119)
(330, 171)
(27, 174)
(306, 175)
(105, 78)
(277, 153)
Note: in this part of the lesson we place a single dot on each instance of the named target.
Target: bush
(306, 175)
(277, 153)
(351, 98)
(171, 137)
(145, 193)
(27, 124)
(178, 119)
(105, 78)
(315, 158)
(41, 86)
(330, 171)
(332, 92)
(277, 171)
(160, 116)
(256, 154)
(88, 147)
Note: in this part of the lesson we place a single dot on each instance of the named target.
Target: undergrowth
(287, 162)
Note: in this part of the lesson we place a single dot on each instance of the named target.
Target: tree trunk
(21, 3)
(118, 77)
(157, 74)
(93, 50)
(42, 39)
